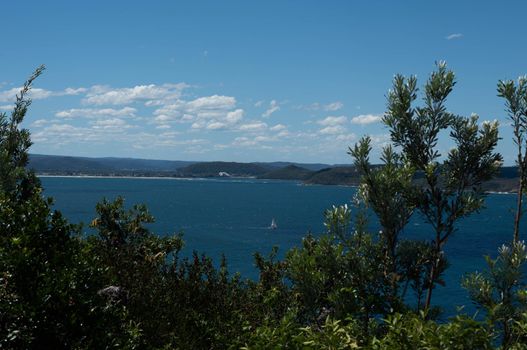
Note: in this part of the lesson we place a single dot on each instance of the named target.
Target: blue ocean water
(232, 217)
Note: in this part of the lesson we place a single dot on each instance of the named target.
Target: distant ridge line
(307, 173)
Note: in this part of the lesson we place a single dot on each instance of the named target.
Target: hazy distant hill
(147, 164)
(289, 172)
(335, 176)
(210, 169)
(55, 164)
(308, 166)
(102, 166)
(110, 165)
(506, 181)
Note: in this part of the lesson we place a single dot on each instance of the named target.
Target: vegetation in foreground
(127, 288)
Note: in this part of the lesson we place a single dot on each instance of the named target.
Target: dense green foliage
(515, 96)
(452, 188)
(125, 287)
(290, 172)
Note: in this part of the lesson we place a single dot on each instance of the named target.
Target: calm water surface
(232, 217)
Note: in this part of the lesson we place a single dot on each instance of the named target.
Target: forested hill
(289, 172)
(66, 165)
(212, 169)
(322, 174)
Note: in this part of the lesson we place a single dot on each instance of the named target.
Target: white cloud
(243, 141)
(316, 106)
(198, 125)
(61, 128)
(277, 127)
(96, 113)
(333, 130)
(253, 126)
(365, 119)
(171, 110)
(210, 112)
(38, 93)
(255, 143)
(6, 107)
(347, 137)
(216, 125)
(73, 91)
(62, 134)
(273, 107)
(113, 123)
(162, 118)
(262, 138)
(334, 106)
(39, 123)
(454, 36)
(103, 95)
(214, 102)
(206, 104)
(332, 121)
(163, 115)
(234, 116)
(145, 140)
(102, 131)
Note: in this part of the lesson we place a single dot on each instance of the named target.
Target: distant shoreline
(119, 177)
(302, 173)
(159, 177)
(149, 177)
(220, 178)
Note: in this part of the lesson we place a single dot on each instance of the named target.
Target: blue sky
(246, 80)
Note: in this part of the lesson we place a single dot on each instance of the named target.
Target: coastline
(221, 178)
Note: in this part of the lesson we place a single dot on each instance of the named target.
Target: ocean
(232, 217)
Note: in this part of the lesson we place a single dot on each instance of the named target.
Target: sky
(247, 80)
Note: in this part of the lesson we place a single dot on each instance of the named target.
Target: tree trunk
(433, 272)
(430, 287)
(518, 210)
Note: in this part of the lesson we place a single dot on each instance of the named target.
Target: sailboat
(273, 225)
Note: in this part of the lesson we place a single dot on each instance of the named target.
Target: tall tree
(36, 246)
(15, 142)
(388, 190)
(500, 291)
(515, 96)
(452, 186)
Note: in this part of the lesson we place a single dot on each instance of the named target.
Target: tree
(340, 274)
(388, 190)
(414, 262)
(15, 142)
(501, 291)
(42, 289)
(516, 102)
(452, 187)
